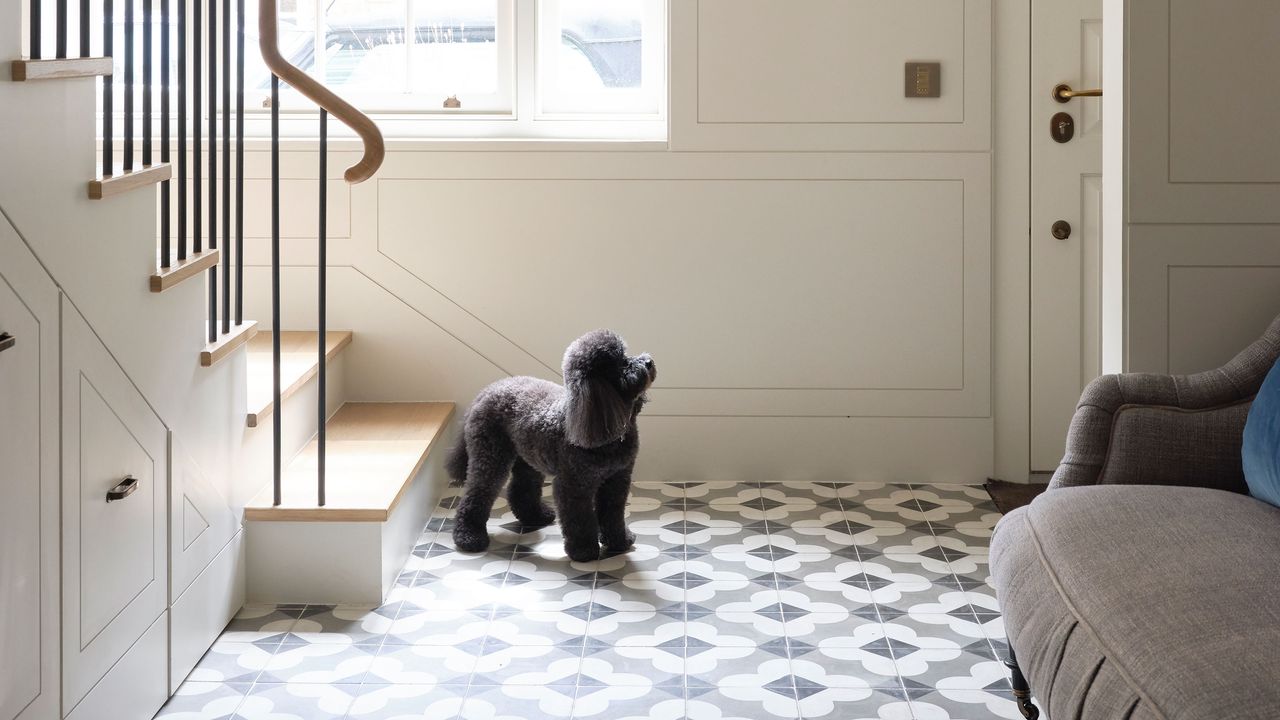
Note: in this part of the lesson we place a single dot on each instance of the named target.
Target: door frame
(1011, 244)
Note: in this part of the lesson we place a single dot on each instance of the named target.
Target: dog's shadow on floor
(539, 563)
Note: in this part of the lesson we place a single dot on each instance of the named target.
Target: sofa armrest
(1211, 402)
(1153, 445)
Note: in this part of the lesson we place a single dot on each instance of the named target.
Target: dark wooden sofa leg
(1021, 690)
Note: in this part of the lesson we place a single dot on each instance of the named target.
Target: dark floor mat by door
(1010, 496)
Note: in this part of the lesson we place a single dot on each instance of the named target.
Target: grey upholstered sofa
(1144, 583)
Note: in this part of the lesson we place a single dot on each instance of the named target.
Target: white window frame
(497, 103)
(646, 101)
(523, 121)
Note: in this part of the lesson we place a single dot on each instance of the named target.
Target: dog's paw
(582, 553)
(470, 539)
(614, 546)
(541, 518)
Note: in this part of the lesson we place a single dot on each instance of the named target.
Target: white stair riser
(298, 426)
(341, 562)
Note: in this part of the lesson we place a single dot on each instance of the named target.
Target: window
(481, 68)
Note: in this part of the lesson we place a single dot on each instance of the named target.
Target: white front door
(1066, 217)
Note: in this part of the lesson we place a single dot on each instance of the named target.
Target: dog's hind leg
(611, 508)
(489, 459)
(525, 495)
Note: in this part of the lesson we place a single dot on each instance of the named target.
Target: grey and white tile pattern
(766, 600)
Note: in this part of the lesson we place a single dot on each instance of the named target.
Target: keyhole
(1062, 127)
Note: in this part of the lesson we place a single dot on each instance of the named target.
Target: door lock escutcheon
(1061, 229)
(1062, 127)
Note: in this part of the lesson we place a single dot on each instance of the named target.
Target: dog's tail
(456, 463)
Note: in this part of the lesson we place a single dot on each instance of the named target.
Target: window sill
(466, 145)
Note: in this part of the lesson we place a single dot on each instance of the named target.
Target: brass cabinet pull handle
(1063, 93)
(7, 341)
(123, 490)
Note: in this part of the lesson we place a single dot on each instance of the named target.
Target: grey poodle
(583, 434)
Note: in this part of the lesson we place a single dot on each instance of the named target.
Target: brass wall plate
(924, 80)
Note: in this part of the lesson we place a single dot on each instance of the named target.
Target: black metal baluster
(182, 129)
(275, 286)
(146, 83)
(108, 88)
(213, 166)
(84, 28)
(197, 219)
(166, 241)
(239, 162)
(322, 287)
(33, 31)
(60, 28)
(226, 166)
(127, 121)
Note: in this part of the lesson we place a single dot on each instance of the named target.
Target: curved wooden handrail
(374, 148)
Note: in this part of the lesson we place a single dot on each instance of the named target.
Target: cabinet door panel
(28, 485)
(115, 564)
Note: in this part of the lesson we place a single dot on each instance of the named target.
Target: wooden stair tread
(179, 270)
(375, 450)
(121, 181)
(59, 68)
(225, 344)
(299, 362)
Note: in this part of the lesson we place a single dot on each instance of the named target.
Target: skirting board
(340, 562)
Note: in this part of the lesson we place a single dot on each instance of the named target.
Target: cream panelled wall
(810, 258)
(1196, 222)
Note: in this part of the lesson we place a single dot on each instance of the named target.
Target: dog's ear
(595, 414)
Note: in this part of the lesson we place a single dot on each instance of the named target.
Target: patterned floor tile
(788, 599)
(627, 701)
(721, 667)
(344, 624)
(256, 623)
(739, 704)
(425, 664)
(964, 705)
(400, 701)
(268, 701)
(630, 628)
(204, 701)
(551, 666)
(525, 702)
(233, 662)
(319, 663)
(417, 625)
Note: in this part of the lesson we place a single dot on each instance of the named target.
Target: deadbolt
(1061, 230)
(1062, 127)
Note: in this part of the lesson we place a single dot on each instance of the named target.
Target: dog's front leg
(575, 504)
(611, 508)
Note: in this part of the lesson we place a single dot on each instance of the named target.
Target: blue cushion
(1261, 451)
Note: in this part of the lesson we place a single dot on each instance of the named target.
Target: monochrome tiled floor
(770, 600)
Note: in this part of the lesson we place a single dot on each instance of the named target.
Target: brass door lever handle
(1063, 93)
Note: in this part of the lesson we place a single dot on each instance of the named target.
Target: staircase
(381, 478)
(322, 496)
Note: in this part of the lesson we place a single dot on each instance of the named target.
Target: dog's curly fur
(583, 434)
